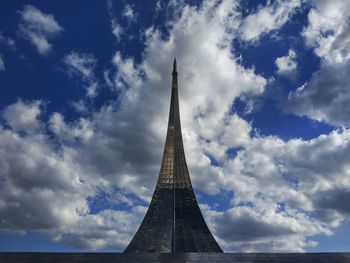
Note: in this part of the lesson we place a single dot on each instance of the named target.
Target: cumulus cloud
(22, 116)
(81, 130)
(328, 30)
(326, 96)
(261, 229)
(38, 27)
(128, 74)
(38, 184)
(121, 145)
(277, 186)
(144, 93)
(287, 65)
(267, 18)
(284, 192)
(108, 229)
(45, 190)
(288, 190)
(83, 66)
(271, 179)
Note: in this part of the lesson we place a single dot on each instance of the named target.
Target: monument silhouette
(173, 222)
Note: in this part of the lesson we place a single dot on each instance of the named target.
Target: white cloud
(306, 167)
(210, 79)
(43, 189)
(325, 97)
(117, 30)
(2, 63)
(122, 144)
(296, 189)
(284, 192)
(81, 130)
(252, 229)
(328, 30)
(158, 6)
(38, 28)
(128, 75)
(286, 65)
(267, 18)
(107, 229)
(79, 106)
(307, 177)
(123, 141)
(83, 66)
(128, 12)
(22, 116)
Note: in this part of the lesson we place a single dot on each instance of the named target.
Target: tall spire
(173, 222)
(174, 67)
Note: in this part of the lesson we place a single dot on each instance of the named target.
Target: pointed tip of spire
(174, 65)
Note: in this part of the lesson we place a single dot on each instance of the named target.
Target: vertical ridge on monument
(173, 222)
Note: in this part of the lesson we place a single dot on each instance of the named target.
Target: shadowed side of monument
(173, 222)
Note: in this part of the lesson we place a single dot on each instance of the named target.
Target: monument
(173, 222)
(173, 225)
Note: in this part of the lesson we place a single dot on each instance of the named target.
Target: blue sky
(264, 95)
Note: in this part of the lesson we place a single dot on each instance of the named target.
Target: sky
(264, 101)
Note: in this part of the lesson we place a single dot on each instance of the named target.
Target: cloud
(328, 30)
(128, 12)
(284, 192)
(43, 189)
(2, 63)
(117, 30)
(285, 183)
(128, 74)
(121, 144)
(333, 201)
(8, 41)
(22, 116)
(108, 229)
(80, 130)
(267, 18)
(143, 102)
(326, 95)
(40, 189)
(83, 66)
(38, 28)
(252, 229)
(287, 65)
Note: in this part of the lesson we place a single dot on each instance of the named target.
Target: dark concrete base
(37, 257)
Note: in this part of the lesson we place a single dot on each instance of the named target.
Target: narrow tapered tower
(173, 222)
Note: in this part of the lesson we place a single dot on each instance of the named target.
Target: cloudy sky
(264, 100)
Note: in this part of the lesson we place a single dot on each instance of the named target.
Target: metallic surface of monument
(173, 222)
